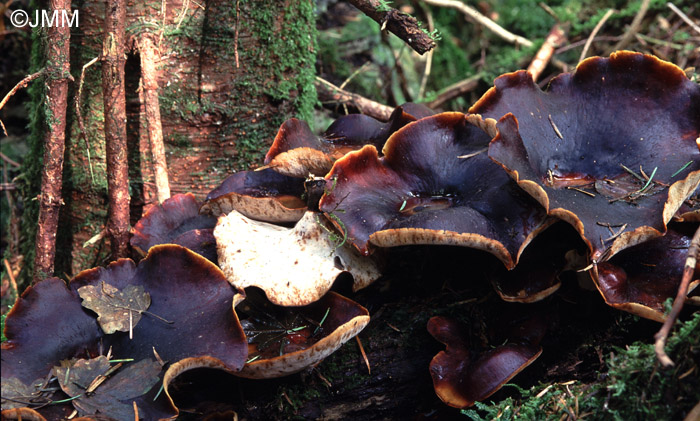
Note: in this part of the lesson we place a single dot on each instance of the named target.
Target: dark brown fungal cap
(296, 151)
(357, 130)
(567, 146)
(263, 195)
(640, 279)
(190, 322)
(46, 324)
(182, 286)
(285, 340)
(460, 377)
(434, 185)
(176, 221)
(536, 275)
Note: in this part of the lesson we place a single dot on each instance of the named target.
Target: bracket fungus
(537, 275)
(264, 195)
(294, 266)
(612, 149)
(434, 185)
(462, 377)
(297, 151)
(284, 340)
(189, 323)
(613, 144)
(640, 279)
(176, 221)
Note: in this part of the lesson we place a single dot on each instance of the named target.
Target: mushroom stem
(662, 335)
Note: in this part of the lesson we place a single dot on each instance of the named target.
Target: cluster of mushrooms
(613, 149)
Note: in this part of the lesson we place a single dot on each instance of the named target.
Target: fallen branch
(149, 56)
(555, 38)
(482, 20)
(50, 201)
(22, 83)
(688, 271)
(455, 90)
(400, 24)
(115, 126)
(328, 92)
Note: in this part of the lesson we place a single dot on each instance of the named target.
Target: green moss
(634, 387)
(3, 338)
(29, 182)
(334, 369)
(287, 52)
(180, 140)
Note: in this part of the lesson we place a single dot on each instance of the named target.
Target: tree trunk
(57, 74)
(113, 61)
(228, 75)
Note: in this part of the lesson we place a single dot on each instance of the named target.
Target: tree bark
(115, 126)
(57, 76)
(216, 117)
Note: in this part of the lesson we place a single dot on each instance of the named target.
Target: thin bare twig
(602, 38)
(554, 39)
(353, 74)
(185, 8)
(11, 275)
(482, 20)
(400, 24)
(591, 37)
(683, 16)
(455, 90)
(81, 122)
(633, 28)
(22, 83)
(10, 160)
(328, 92)
(662, 335)
(364, 355)
(429, 57)
(235, 34)
(163, 10)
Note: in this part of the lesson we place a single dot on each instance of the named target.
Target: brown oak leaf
(117, 310)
